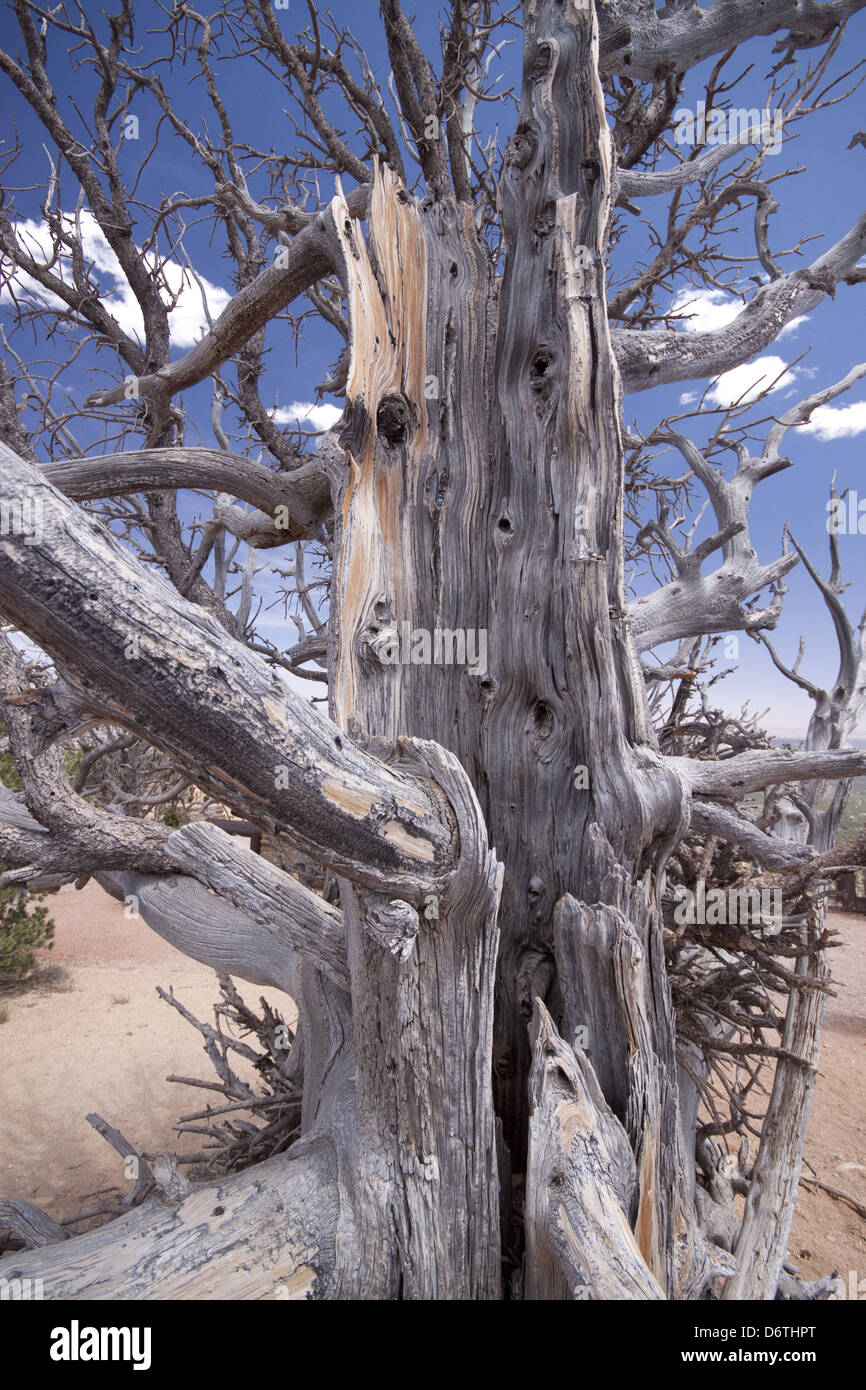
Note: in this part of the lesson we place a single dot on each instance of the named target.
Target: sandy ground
(107, 1043)
(827, 1234)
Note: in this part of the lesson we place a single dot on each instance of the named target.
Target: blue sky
(824, 201)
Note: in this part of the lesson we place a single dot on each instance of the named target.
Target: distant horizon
(789, 731)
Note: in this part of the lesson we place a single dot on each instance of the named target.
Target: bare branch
(304, 494)
(644, 42)
(152, 662)
(662, 355)
(694, 604)
(753, 771)
(767, 850)
(310, 256)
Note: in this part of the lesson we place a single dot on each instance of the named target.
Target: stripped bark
(206, 928)
(582, 1183)
(426, 1193)
(264, 1233)
(266, 895)
(564, 683)
(614, 986)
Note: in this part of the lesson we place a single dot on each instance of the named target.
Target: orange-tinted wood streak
(387, 288)
(422, 989)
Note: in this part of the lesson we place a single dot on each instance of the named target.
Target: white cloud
(794, 325)
(187, 320)
(702, 311)
(688, 397)
(745, 383)
(837, 421)
(315, 417)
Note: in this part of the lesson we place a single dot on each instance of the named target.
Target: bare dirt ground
(827, 1234)
(107, 1043)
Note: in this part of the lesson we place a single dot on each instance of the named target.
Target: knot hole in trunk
(542, 374)
(393, 419)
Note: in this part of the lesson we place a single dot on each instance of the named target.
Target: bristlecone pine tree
(522, 1076)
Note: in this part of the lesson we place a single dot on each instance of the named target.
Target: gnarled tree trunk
(486, 1029)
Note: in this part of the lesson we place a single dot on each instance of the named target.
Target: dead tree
(487, 1051)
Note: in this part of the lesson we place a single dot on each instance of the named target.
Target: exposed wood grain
(207, 928)
(614, 985)
(582, 1183)
(478, 488)
(566, 742)
(659, 41)
(298, 918)
(426, 1185)
(267, 1232)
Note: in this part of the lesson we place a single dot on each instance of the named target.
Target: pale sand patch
(65, 1054)
(830, 1230)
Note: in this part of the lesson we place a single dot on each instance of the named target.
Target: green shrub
(24, 928)
(8, 771)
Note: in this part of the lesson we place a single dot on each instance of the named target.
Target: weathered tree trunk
(426, 1194)
(484, 494)
(486, 1031)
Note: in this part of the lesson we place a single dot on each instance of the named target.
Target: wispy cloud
(315, 417)
(794, 325)
(837, 421)
(702, 311)
(187, 319)
(744, 384)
